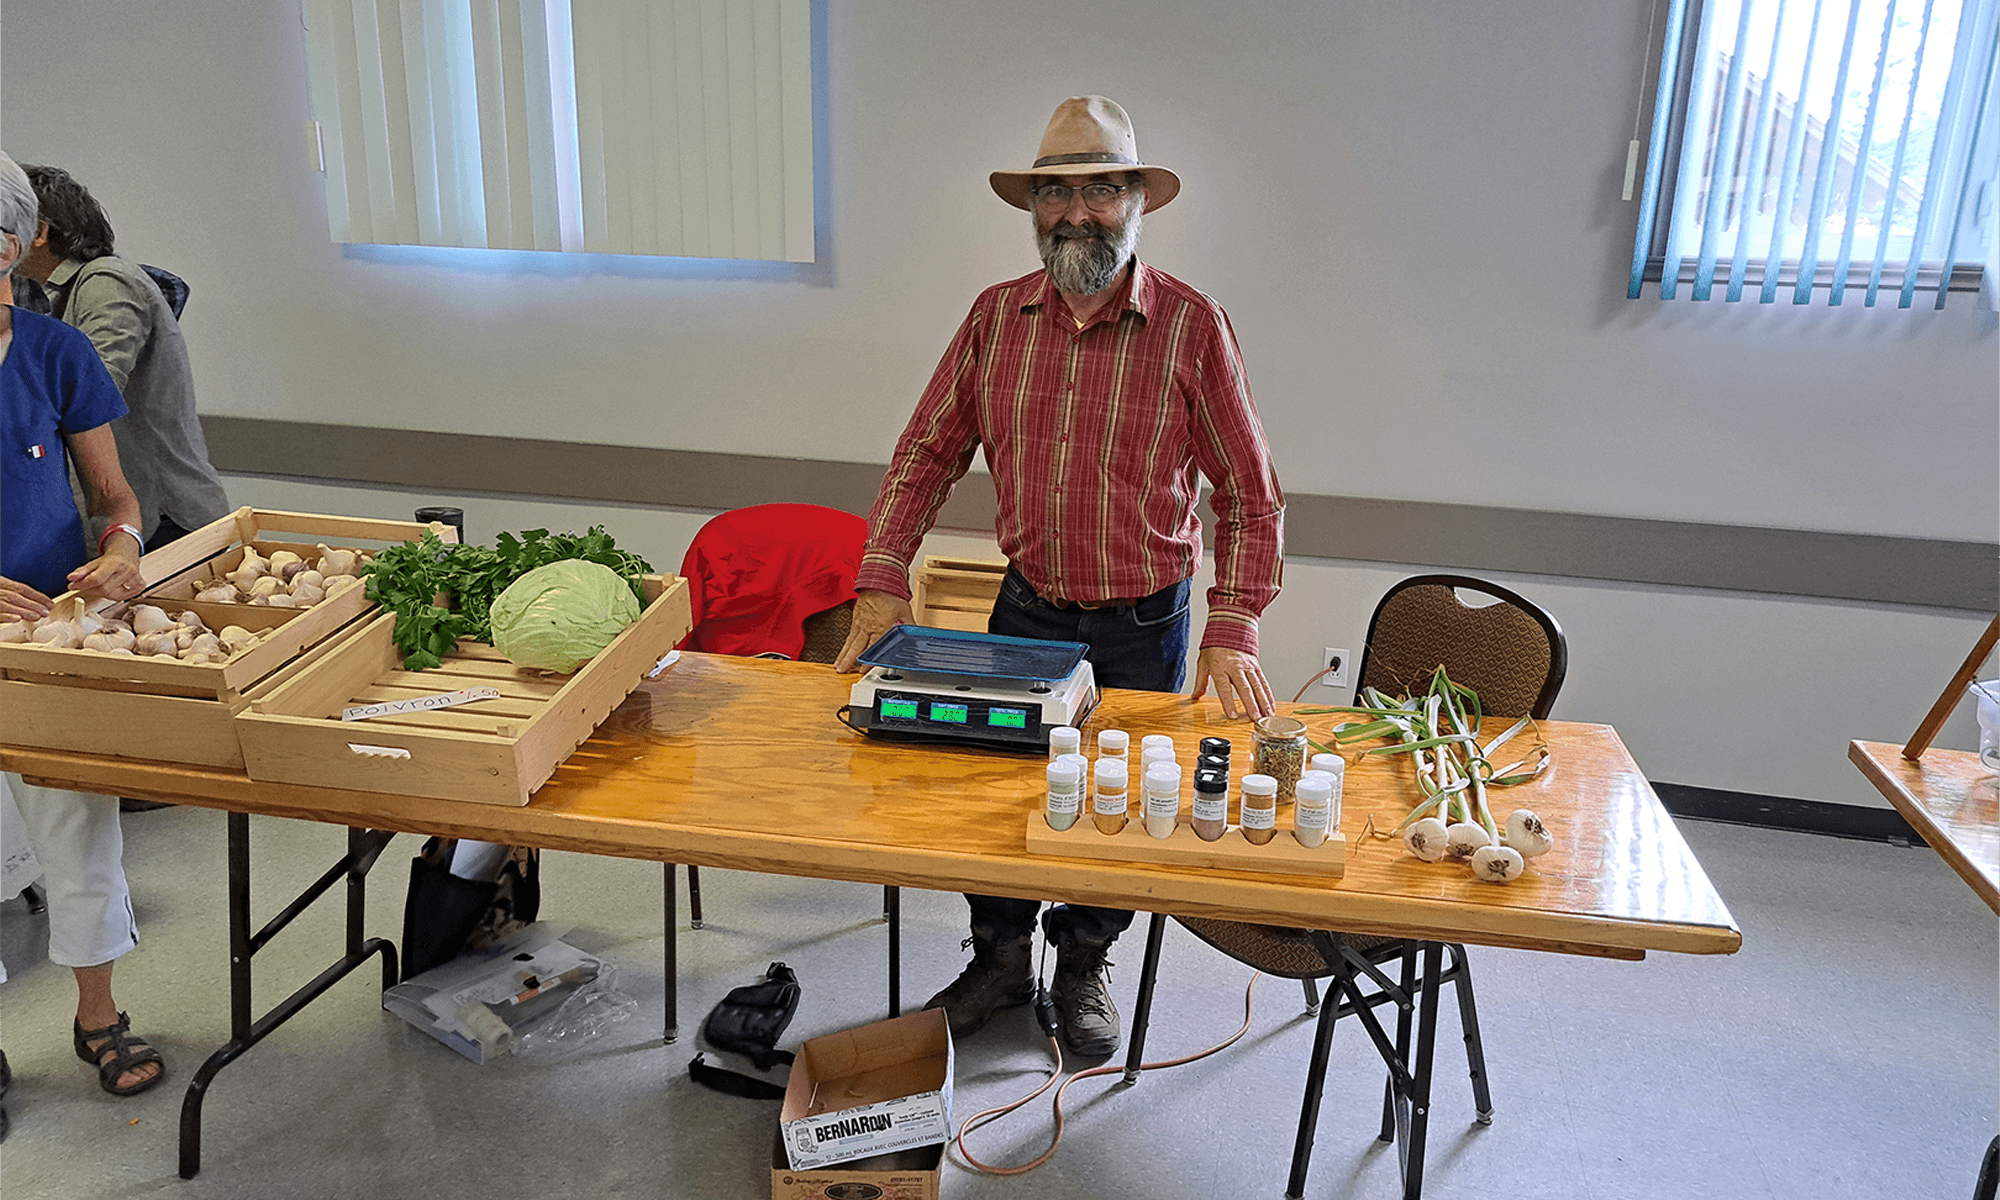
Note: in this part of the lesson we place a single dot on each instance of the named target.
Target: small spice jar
(1281, 751)
(1219, 747)
(1064, 739)
(1108, 801)
(1258, 816)
(1115, 744)
(1163, 799)
(1153, 740)
(1211, 804)
(1310, 814)
(1065, 792)
(1152, 756)
(1336, 768)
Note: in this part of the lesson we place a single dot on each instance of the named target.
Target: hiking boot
(1000, 975)
(1089, 1018)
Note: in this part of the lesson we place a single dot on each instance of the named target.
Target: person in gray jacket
(119, 307)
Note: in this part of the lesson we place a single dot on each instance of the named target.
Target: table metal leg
(673, 1021)
(892, 912)
(1416, 1125)
(1989, 1173)
(1142, 1009)
(363, 848)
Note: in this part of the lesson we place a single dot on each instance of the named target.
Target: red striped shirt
(1094, 437)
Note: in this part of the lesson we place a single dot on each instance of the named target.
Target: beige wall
(1410, 210)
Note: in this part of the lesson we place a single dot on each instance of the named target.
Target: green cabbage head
(557, 617)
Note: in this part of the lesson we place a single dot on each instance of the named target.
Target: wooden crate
(494, 751)
(956, 593)
(185, 712)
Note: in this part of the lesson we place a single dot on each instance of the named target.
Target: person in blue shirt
(56, 405)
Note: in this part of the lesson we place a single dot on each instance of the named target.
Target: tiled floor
(1848, 1051)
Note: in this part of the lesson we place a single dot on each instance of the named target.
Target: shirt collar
(1133, 295)
(64, 272)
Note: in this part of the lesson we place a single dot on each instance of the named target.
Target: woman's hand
(19, 602)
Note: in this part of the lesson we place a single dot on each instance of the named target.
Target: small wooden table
(742, 763)
(1953, 801)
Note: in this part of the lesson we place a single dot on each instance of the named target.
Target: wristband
(120, 528)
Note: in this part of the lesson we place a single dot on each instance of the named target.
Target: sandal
(128, 1054)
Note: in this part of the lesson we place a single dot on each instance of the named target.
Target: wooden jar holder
(1282, 855)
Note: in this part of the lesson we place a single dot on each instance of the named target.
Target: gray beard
(1087, 265)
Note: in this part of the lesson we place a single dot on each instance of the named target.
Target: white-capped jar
(1152, 756)
(1163, 799)
(1155, 739)
(1113, 743)
(1064, 739)
(1065, 792)
(1336, 768)
(1258, 814)
(1108, 801)
(1310, 797)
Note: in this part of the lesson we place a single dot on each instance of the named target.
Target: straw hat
(1089, 135)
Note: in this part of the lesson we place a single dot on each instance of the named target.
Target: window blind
(662, 127)
(1822, 145)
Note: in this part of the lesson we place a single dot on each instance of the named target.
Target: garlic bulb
(308, 578)
(223, 593)
(280, 560)
(110, 639)
(268, 585)
(1463, 839)
(156, 643)
(235, 637)
(279, 600)
(13, 631)
(206, 643)
(336, 582)
(192, 620)
(338, 562)
(63, 635)
(1426, 839)
(307, 595)
(1498, 864)
(252, 568)
(147, 618)
(1526, 833)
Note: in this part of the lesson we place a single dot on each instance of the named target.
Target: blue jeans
(1142, 646)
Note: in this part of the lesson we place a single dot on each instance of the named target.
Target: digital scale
(953, 686)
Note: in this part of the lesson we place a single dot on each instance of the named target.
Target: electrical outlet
(1334, 662)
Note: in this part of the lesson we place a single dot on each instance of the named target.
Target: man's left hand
(114, 576)
(1237, 678)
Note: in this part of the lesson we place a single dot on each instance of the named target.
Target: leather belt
(1088, 605)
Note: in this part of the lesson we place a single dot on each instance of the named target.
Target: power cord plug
(1045, 1011)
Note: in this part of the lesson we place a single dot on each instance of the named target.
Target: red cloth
(1096, 438)
(755, 574)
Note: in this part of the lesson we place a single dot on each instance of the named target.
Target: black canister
(454, 517)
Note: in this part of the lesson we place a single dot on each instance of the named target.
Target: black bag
(444, 915)
(748, 1022)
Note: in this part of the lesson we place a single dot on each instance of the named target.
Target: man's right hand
(19, 602)
(875, 613)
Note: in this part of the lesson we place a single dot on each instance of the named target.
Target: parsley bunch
(441, 592)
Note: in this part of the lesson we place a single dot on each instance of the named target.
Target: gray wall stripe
(1839, 566)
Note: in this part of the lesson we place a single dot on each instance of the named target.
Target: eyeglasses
(1054, 197)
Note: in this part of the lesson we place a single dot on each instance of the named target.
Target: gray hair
(20, 215)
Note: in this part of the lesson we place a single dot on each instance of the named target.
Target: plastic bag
(582, 1017)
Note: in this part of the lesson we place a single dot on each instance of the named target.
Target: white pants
(81, 848)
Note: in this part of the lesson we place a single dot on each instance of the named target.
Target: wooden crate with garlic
(163, 676)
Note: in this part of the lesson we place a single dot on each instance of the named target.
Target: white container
(1310, 811)
(1113, 743)
(1108, 801)
(1336, 768)
(1163, 799)
(1153, 756)
(1065, 791)
(1257, 815)
(1064, 739)
(1988, 694)
(1155, 739)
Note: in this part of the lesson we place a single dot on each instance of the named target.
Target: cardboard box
(478, 1003)
(903, 1175)
(868, 1091)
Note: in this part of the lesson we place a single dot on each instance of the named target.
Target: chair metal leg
(1468, 1019)
(694, 897)
(1415, 1111)
(1142, 1009)
(1295, 1185)
(1312, 996)
(1409, 983)
(671, 1031)
(37, 900)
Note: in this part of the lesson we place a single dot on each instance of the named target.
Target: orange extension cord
(987, 1117)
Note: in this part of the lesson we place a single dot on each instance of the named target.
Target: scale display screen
(972, 716)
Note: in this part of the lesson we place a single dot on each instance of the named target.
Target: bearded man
(1097, 388)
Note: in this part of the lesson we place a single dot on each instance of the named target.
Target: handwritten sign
(419, 703)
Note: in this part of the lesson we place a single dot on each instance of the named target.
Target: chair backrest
(757, 575)
(1511, 652)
